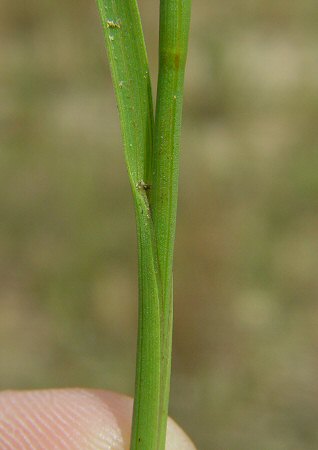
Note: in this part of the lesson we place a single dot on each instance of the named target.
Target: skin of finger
(72, 419)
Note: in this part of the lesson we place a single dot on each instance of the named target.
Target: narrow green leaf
(130, 73)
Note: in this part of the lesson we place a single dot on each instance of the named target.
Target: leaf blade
(130, 73)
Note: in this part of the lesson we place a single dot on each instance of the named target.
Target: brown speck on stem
(112, 24)
(141, 185)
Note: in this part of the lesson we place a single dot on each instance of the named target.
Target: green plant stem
(173, 45)
(153, 166)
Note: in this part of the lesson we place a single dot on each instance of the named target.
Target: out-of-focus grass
(246, 319)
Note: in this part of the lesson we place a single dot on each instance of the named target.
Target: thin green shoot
(152, 159)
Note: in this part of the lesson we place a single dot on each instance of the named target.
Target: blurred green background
(245, 363)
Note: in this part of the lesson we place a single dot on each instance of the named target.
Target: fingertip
(72, 419)
(177, 439)
(63, 419)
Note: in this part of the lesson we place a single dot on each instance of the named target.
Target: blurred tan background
(245, 367)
